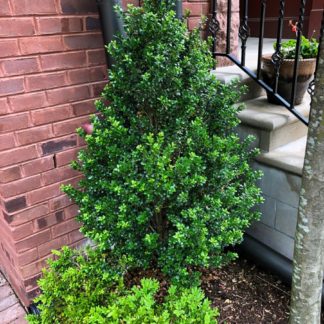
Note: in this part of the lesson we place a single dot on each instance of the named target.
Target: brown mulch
(243, 293)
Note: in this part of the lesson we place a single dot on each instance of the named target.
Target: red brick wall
(52, 67)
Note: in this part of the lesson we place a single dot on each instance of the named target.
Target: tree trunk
(309, 239)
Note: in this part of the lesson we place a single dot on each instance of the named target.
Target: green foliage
(138, 306)
(308, 48)
(79, 288)
(167, 181)
(75, 282)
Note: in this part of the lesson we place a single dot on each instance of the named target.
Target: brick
(96, 57)
(59, 25)
(22, 231)
(13, 122)
(4, 106)
(66, 157)
(35, 45)
(65, 227)
(31, 283)
(33, 7)
(10, 174)
(69, 126)
(75, 236)
(84, 108)
(62, 61)
(13, 27)
(20, 66)
(58, 174)
(6, 141)
(34, 268)
(32, 294)
(80, 244)
(196, 9)
(92, 23)
(33, 241)
(71, 211)
(65, 95)
(15, 204)
(58, 145)
(49, 220)
(27, 257)
(88, 75)
(45, 81)
(28, 101)
(78, 6)
(83, 41)
(54, 244)
(59, 202)
(5, 8)
(11, 86)
(9, 47)
(27, 215)
(17, 155)
(49, 115)
(193, 22)
(74, 182)
(20, 186)
(34, 135)
(37, 166)
(97, 88)
(43, 194)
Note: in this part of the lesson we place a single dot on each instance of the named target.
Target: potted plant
(306, 68)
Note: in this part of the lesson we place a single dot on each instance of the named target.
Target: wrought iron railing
(277, 56)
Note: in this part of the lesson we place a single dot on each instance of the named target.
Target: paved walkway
(11, 310)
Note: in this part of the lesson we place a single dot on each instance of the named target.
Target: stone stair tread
(259, 113)
(230, 73)
(289, 157)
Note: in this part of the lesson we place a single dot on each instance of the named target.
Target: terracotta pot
(306, 71)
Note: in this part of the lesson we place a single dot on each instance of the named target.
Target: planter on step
(306, 69)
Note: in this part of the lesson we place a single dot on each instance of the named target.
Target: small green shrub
(75, 282)
(167, 182)
(308, 48)
(79, 288)
(138, 306)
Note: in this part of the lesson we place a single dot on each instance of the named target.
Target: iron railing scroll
(277, 56)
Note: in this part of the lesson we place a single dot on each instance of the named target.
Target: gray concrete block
(286, 219)
(244, 131)
(280, 185)
(268, 211)
(277, 241)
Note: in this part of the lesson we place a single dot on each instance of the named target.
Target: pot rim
(268, 57)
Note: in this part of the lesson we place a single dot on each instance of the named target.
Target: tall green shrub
(167, 181)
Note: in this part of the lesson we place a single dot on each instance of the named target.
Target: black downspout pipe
(178, 8)
(111, 23)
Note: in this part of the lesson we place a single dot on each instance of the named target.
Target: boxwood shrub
(167, 181)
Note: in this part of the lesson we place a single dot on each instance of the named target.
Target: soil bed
(243, 293)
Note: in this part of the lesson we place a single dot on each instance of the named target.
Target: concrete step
(228, 74)
(272, 125)
(289, 157)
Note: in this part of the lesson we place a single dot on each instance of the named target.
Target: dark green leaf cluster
(167, 182)
(308, 48)
(79, 288)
